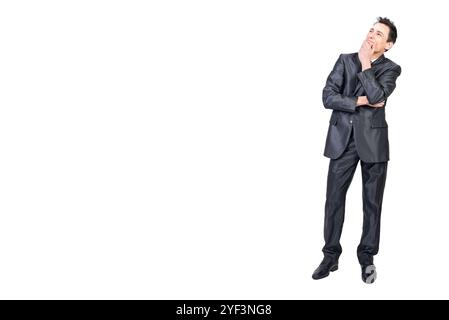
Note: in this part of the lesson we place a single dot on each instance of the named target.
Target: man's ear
(389, 45)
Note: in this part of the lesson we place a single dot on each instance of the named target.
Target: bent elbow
(327, 103)
(327, 99)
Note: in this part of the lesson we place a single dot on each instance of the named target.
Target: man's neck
(375, 56)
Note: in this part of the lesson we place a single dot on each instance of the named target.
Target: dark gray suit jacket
(344, 84)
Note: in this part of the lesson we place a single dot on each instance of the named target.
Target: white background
(174, 150)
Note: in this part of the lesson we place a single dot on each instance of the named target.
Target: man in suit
(357, 90)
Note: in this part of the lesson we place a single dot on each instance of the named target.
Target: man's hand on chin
(365, 53)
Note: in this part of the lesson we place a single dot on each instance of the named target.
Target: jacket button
(350, 121)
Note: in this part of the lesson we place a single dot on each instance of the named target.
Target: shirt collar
(379, 59)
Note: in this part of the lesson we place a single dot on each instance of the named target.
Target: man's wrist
(366, 65)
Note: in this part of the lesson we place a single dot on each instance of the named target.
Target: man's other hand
(363, 101)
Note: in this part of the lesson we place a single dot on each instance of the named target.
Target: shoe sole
(332, 269)
(372, 276)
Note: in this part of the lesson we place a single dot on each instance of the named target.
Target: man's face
(378, 36)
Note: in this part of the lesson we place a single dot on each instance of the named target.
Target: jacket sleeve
(378, 90)
(332, 97)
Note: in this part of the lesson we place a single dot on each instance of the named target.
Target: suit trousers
(340, 174)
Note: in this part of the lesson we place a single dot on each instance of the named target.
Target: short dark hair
(393, 33)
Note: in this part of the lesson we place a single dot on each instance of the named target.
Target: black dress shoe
(326, 266)
(369, 273)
